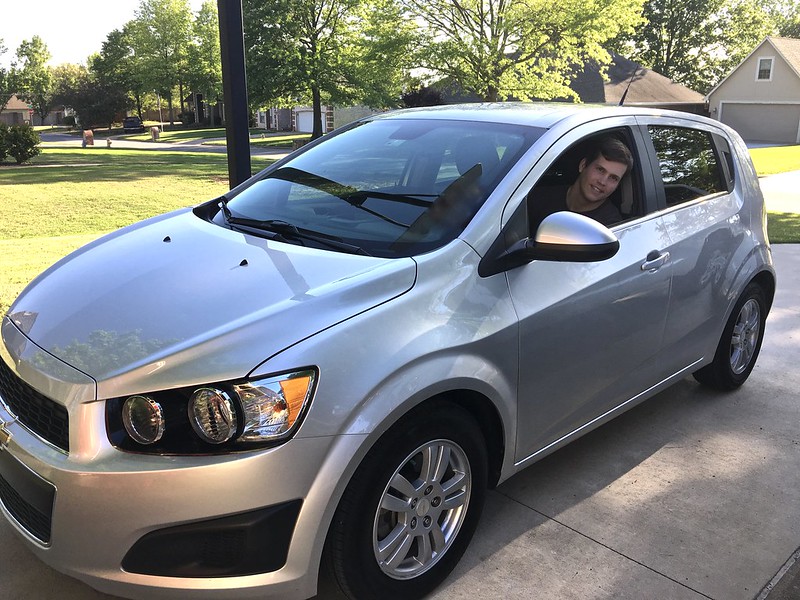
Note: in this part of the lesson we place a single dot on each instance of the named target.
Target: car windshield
(388, 187)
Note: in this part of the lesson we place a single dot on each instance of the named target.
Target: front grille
(47, 419)
(34, 509)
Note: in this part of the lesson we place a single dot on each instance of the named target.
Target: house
(760, 98)
(640, 87)
(16, 112)
(297, 118)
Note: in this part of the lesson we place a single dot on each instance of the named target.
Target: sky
(71, 30)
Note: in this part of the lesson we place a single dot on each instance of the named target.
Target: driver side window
(597, 176)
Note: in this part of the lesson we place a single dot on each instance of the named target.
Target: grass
(776, 159)
(784, 228)
(68, 197)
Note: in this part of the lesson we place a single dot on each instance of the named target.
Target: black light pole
(234, 87)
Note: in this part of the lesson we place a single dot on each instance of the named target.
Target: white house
(760, 98)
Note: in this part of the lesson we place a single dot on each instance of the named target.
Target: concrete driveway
(693, 494)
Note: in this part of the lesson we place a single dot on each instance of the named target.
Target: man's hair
(611, 149)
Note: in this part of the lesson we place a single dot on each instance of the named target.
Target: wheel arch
(488, 420)
(766, 279)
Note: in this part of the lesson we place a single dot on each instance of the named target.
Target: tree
(205, 71)
(697, 42)
(117, 65)
(35, 80)
(743, 24)
(525, 49)
(788, 17)
(8, 80)
(160, 36)
(339, 51)
(95, 102)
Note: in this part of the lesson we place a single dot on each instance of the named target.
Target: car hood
(176, 301)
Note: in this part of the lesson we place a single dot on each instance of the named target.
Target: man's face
(598, 179)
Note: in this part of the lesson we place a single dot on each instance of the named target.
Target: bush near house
(18, 141)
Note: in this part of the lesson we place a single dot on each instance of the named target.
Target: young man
(600, 172)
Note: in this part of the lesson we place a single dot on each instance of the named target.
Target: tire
(740, 343)
(403, 522)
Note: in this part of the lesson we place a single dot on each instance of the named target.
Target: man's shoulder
(607, 214)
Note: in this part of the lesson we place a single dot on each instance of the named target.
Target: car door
(589, 333)
(708, 238)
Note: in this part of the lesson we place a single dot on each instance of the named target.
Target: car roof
(538, 114)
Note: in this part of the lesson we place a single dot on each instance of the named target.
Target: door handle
(655, 260)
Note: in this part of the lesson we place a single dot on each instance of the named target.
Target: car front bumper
(113, 513)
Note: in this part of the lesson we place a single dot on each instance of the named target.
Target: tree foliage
(525, 49)
(205, 66)
(160, 35)
(95, 102)
(698, 42)
(34, 81)
(8, 80)
(333, 51)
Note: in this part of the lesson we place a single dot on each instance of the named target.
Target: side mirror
(563, 236)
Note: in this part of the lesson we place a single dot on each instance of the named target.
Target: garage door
(305, 121)
(764, 122)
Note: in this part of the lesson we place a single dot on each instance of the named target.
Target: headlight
(143, 419)
(212, 415)
(272, 407)
(212, 418)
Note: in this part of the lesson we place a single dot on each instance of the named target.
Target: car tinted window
(688, 162)
(391, 187)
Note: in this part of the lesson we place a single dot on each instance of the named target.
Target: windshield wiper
(285, 231)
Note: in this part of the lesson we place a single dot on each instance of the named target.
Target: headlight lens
(273, 406)
(214, 418)
(212, 415)
(143, 419)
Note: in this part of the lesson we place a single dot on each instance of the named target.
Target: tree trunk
(170, 109)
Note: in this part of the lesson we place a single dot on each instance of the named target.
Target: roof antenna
(630, 81)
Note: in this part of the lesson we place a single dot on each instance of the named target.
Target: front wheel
(740, 343)
(411, 508)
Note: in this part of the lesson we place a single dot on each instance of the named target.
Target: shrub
(69, 120)
(3, 136)
(19, 141)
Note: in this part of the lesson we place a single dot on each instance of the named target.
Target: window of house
(764, 72)
(689, 164)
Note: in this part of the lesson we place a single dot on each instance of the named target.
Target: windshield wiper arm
(284, 230)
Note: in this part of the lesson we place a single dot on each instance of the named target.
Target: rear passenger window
(689, 164)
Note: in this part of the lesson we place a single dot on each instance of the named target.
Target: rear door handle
(655, 260)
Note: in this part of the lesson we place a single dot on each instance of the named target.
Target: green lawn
(776, 159)
(67, 197)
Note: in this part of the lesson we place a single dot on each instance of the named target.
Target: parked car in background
(330, 364)
(132, 125)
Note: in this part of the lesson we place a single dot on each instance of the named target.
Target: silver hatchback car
(328, 366)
